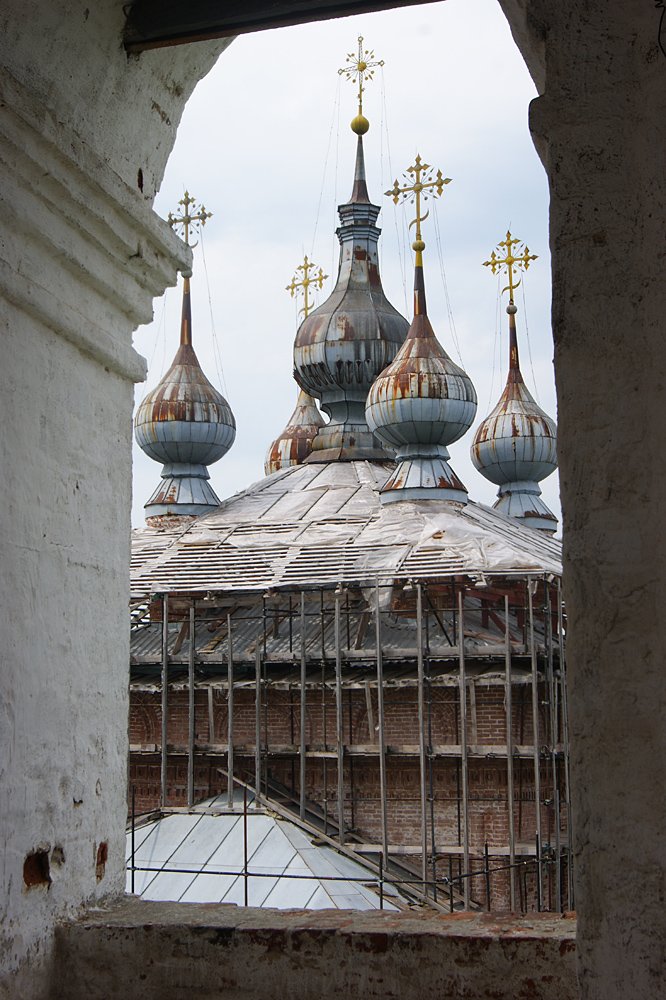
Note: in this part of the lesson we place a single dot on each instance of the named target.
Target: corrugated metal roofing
(208, 845)
(278, 631)
(317, 525)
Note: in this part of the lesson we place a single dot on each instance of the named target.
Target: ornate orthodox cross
(519, 260)
(317, 280)
(193, 216)
(361, 68)
(425, 185)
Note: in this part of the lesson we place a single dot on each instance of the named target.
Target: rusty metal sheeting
(343, 345)
(294, 444)
(319, 525)
(517, 440)
(421, 403)
(515, 447)
(185, 418)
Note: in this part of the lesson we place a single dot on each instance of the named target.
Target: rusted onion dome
(516, 446)
(421, 403)
(345, 343)
(186, 424)
(294, 444)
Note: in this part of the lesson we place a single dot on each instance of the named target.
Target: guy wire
(400, 237)
(529, 345)
(217, 354)
(452, 323)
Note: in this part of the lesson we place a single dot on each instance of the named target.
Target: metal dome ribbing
(515, 447)
(421, 403)
(186, 424)
(294, 444)
(343, 345)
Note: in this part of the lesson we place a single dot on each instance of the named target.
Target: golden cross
(192, 215)
(520, 259)
(362, 65)
(425, 185)
(305, 282)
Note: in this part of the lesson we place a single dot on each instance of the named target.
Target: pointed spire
(184, 422)
(422, 401)
(344, 344)
(359, 195)
(515, 447)
(186, 315)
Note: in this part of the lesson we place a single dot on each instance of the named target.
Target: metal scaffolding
(457, 636)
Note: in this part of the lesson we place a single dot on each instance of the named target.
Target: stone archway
(86, 133)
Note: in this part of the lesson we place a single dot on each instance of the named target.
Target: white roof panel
(276, 848)
(322, 524)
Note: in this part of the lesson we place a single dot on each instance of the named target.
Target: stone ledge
(82, 252)
(177, 950)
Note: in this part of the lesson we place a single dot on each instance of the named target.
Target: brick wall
(487, 777)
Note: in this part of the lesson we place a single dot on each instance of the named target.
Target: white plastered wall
(81, 257)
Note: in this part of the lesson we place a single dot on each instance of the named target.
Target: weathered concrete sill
(179, 950)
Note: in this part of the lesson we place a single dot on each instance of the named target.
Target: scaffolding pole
(509, 754)
(165, 705)
(190, 712)
(211, 716)
(571, 902)
(230, 716)
(462, 685)
(257, 725)
(552, 714)
(338, 722)
(380, 721)
(422, 750)
(535, 737)
(303, 706)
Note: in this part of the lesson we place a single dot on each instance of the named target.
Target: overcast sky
(265, 144)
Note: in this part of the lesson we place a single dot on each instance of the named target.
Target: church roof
(313, 526)
(198, 857)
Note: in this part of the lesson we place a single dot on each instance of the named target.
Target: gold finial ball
(418, 245)
(362, 66)
(360, 125)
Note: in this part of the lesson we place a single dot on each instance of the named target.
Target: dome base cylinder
(424, 477)
(183, 490)
(521, 500)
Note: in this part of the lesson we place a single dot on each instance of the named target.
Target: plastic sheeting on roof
(320, 525)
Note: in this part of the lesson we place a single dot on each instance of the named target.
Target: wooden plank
(479, 752)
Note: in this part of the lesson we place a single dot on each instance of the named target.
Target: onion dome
(294, 444)
(516, 446)
(186, 424)
(343, 345)
(421, 403)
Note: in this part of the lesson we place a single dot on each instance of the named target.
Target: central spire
(345, 343)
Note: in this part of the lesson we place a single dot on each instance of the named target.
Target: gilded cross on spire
(317, 280)
(360, 68)
(193, 216)
(520, 259)
(426, 184)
